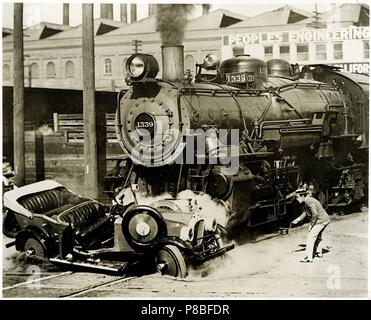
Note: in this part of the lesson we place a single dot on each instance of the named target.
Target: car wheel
(33, 247)
(10, 224)
(170, 261)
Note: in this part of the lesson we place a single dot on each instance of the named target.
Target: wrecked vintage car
(47, 219)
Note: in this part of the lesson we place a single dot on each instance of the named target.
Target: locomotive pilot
(319, 220)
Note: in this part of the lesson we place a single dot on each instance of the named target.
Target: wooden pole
(56, 122)
(18, 97)
(90, 137)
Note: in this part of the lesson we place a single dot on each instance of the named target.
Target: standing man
(319, 220)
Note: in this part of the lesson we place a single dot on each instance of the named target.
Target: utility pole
(316, 23)
(90, 121)
(137, 44)
(18, 97)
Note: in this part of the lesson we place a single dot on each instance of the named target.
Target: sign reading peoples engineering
(306, 35)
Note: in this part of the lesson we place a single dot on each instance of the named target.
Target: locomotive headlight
(141, 65)
(136, 67)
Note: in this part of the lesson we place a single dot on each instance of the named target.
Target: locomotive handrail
(236, 92)
(307, 85)
(282, 124)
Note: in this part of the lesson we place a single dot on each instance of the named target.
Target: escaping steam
(187, 201)
(203, 204)
(171, 20)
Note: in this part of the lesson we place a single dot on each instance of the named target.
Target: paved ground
(265, 269)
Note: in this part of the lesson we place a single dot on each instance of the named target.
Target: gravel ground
(268, 268)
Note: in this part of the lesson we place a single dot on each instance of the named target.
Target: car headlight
(141, 65)
(142, 229)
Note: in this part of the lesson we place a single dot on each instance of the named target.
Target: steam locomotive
(244, 131)
(203, 159)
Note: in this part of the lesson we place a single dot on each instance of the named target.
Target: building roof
(40, 31)
(215, 19)
(281, 16)
(101, 26)
(146, 25)
(7, 32)
(349, 12)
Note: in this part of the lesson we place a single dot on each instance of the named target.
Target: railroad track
(55, 275)
(34, 280)
(95, 287)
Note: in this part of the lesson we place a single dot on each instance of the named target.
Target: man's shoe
(306, 260)
(318, 255)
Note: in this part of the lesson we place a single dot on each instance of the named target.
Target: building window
(268, 52)
(50, 70)
(366, 49)
(238, 51)
(6, 72)
(338, 51)
(34, 71)
(285, 52)
(107, 66)
(70, 69)
(321, 52)
(189, 63)
(302, 52)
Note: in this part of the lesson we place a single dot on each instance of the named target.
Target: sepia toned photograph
(185, 150)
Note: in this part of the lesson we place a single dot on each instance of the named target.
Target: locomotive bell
(279, 67)
(244, 71)
(211, 62)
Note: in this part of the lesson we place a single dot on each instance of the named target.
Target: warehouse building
(53, 53)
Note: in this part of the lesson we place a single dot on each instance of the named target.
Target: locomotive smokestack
(172, 63)
(171, 20)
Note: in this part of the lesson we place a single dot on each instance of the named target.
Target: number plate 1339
(240, 77)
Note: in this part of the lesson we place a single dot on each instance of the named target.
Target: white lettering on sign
(306, 35)
(354, 67)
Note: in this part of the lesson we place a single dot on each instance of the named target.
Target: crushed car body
(47, 219)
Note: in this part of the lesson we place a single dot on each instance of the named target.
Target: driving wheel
(170, 261)
(33, 247)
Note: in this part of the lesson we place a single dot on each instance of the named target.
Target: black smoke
(171, 20)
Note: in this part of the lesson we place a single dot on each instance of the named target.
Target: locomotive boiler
(245, 132)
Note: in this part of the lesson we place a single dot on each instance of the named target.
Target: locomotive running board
(90, 266)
